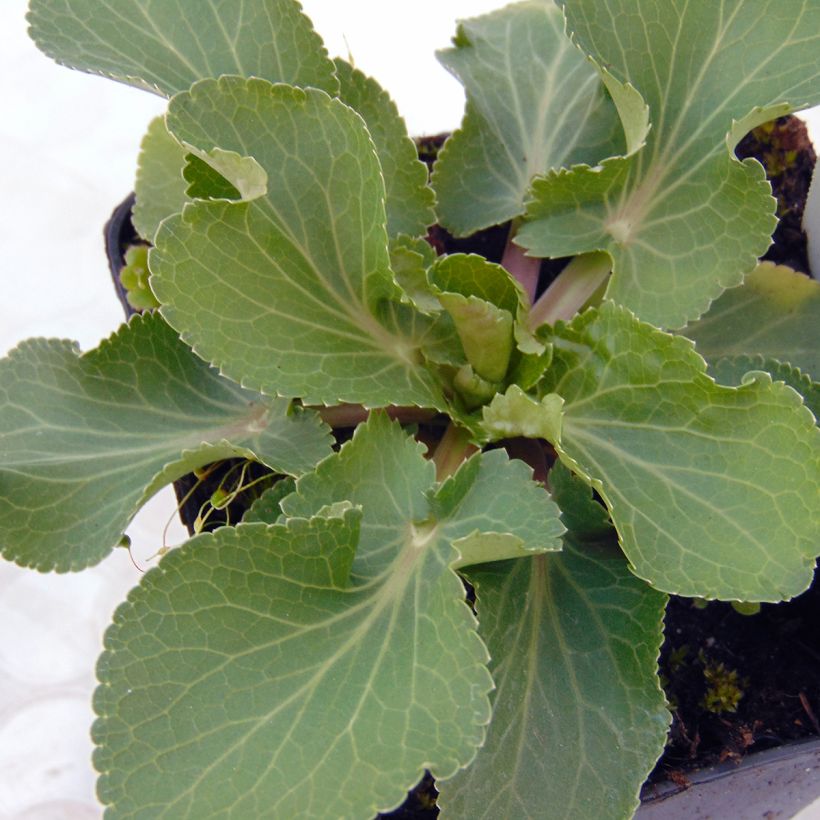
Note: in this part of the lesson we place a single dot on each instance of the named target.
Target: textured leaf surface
(533, 103)
(85, 440)
(160, 186)
(734, 370)
(585, 517)
(328, 680)
(712, 489)
(579, 717)
(410, 199)
(775, 313)
(483, 301)
(291, 293)
(410, 259)
(493, 509)
(681, 217)
(165, 47)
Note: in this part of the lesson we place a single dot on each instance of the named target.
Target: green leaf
(681, 217)
(733, 370)
(165, 47)
(410, 199)
(711, 488)
(410, 259)
(292, 292)
(268, 507)
(496, 511)
(579, 717)
(134, 278)
(533, 103)
(483, 300)
(160, 187)
(206, 182)
(584, 517)
(489, 309)
(328, 680)
(168, 177)
(774, 313)
(86, 440)
(470, 502)
(473, 275)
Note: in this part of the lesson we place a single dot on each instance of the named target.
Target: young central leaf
(328, 658)
(484, 301)
(681, 217)
(533, 103)
(85, 440)
(291, 292)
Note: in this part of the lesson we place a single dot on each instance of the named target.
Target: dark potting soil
(735, 683)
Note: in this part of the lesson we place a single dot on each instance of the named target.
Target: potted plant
(316, 657)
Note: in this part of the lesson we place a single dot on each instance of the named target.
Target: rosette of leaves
(316, 658)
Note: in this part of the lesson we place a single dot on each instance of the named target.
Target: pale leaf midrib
(385, 600)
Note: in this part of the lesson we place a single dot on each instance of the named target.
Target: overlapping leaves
(409, 200)
(682, 218)
(533, 103)
(775, 313)
(328, 658)
(575, 639)
(85, 440)
(292, 292)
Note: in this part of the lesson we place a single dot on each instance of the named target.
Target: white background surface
(68, 146)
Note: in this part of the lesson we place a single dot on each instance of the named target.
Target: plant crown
(315, 658)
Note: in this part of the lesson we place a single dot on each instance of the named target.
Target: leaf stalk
(572, 289)
(525, 269)
(454, 448)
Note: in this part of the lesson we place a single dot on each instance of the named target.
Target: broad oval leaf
(165, 47)
(579, 717)
(291, 293)
(86, 440)
(410, 199)
(328, 659)
(775, 313)
(681, 217)
(533, 103)
(712, 488)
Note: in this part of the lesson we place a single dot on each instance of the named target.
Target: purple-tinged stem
(572, 289)
(523, 268)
